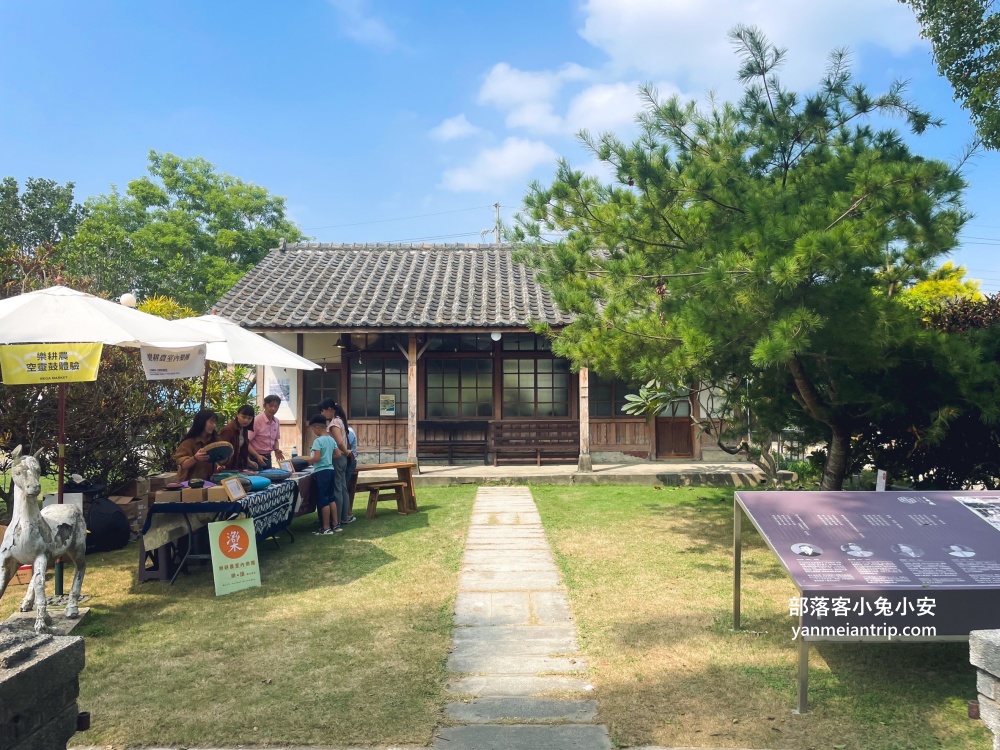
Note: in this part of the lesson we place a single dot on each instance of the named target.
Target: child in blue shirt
(323, 473)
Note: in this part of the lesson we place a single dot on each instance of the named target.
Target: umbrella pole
(62, 474)
(204, 383)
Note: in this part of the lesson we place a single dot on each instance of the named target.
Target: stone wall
(39, 686)
(984, 653)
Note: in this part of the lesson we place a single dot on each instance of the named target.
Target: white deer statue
(37, 537)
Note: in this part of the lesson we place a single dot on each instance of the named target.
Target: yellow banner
(26, 364)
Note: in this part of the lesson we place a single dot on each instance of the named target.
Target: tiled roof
(314, 285)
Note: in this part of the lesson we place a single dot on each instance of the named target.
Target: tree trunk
(837, 459)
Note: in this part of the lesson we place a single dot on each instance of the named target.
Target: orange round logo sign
(234, 542)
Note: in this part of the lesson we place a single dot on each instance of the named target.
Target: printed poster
(167, 364)
(27, 364)
(234, 555)
(387, 405)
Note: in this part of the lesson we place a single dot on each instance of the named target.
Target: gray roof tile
(314, 285)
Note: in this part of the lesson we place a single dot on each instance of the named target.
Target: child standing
(323, 474)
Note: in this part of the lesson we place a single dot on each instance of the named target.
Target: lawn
(344, 644)
(649, 573)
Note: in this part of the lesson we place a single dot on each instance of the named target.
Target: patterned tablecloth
(271, 510)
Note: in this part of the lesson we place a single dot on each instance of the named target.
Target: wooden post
(411, 408)
(585, 463)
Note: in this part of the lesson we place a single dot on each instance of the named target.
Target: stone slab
(61, 625)
(481, 555)
(502, 635)
(514, 565)
(504, 545)
(525, 647)
(516, 684)
(549, 607)
(488, 710)
(523, 737)
(485, 608)
(517, 581)
(498, 663)
(506, 517)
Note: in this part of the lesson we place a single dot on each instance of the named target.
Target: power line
(434, 237)
(401, 218)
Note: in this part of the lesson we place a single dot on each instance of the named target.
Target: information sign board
(234, 555)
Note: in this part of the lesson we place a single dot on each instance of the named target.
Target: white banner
(167, 364)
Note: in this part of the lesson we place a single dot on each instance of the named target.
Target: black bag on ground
(108, 526)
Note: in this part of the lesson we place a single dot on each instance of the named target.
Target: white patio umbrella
(238, 346)
(59, 315)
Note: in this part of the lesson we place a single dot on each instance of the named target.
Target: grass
(344, 644)
(649, 573)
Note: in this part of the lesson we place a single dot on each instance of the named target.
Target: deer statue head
(25, 471)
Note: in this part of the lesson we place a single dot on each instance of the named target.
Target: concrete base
(61, 625)
(38, 692)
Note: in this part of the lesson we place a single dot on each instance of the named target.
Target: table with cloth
(166, 535)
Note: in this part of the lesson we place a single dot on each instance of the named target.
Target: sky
(392, 121)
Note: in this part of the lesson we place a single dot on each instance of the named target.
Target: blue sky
(385, 120)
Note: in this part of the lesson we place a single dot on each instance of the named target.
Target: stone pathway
(514, 639)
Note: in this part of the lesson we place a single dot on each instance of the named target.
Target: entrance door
(674, 438)
(316, 386)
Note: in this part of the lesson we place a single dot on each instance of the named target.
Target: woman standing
(342, 457)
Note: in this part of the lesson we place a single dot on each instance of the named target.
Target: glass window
(535, 388)
(525, 342)
(372, 377)
(319, 385)
(460, 342)
(459, 388)
(607, 396)
(378, 342)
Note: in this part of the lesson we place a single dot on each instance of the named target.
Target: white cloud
(454, 127)
(526, 96)
(494, 167)
(358, 23)
(680, 39)
(603, 106)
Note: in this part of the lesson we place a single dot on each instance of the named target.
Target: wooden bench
(441, 439)
(377, 492)
(536, 441)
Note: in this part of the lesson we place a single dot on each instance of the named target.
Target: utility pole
(496, 228)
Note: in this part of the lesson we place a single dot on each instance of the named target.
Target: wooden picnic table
(402, 486)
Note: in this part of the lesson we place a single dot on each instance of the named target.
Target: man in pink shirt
(266, 434)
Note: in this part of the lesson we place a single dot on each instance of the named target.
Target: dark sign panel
(866, 561)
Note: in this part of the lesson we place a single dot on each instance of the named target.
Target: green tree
(185, 231)
(762, 243)
(956, 445)
(44, 213)
(965, 36)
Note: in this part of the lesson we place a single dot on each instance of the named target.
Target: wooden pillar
(411, 408)
(585, 463)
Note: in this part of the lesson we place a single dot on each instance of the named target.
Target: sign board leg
(802, 699)
(737, 562)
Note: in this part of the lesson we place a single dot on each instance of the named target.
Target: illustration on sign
(387, 405)
(234, 555)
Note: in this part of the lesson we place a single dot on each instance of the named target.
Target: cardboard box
(168, 496)
(216, 494)
(138, 488)
(193, 496)
(159, 481)
(22, 577)
(127, 503)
